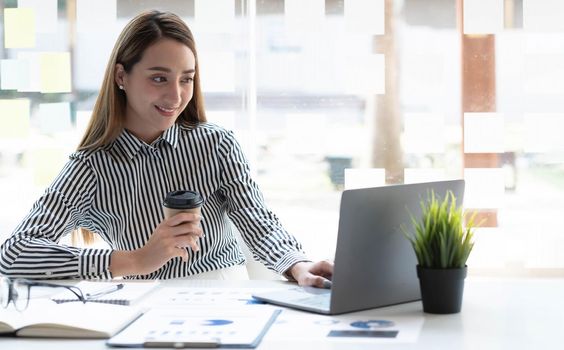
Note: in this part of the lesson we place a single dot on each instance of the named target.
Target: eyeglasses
(18, 290)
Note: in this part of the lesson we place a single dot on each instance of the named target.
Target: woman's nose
(174, 94)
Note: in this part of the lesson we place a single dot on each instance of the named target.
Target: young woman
(148, 136)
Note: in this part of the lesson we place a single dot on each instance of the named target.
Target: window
(326, 95)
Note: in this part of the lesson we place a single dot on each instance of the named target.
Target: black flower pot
(441, 289)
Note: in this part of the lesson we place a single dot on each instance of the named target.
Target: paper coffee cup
(182, 201)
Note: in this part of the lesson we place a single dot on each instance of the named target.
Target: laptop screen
(375, 264)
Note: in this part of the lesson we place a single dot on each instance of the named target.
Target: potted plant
(442, 244)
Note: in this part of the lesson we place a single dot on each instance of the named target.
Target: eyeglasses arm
(75, 290)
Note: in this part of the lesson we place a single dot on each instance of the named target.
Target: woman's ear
(119, 76)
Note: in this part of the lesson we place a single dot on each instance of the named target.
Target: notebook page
(43, 318)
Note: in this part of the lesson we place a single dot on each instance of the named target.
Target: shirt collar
(171, 135)
(130, 145)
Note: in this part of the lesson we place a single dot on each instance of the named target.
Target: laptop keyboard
(320, 301)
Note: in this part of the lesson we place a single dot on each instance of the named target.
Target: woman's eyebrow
(168, 70)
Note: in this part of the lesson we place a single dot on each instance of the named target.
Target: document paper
(202, 327)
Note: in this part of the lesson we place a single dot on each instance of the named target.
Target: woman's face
(158, 88)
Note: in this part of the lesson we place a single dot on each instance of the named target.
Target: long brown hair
(108, 115)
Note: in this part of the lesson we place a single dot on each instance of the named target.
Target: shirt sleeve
(260, 228)
(33, 250)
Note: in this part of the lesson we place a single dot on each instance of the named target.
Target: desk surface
(496, 314)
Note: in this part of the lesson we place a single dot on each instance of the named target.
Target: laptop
(375, 265)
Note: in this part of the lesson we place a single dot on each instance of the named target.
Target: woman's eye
(188, 80)
(158, 79)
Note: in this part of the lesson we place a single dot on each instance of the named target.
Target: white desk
(496, 314)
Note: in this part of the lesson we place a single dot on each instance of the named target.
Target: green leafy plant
(441, 240)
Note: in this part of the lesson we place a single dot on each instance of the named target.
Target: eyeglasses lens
(4, 291)
(21, 295)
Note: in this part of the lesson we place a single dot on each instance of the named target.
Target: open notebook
(128, 295)
(46, 319)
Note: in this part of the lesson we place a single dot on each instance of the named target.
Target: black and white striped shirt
(117, 192)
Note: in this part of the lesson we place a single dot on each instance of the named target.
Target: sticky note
(19, 28)
(55, 68)
(89, 65)
(54, 117)
(422, 75)
(483, 133)
(46, 22)
(364, 178)
(91, 15)
(543, 15)
(365, 74)
(31, 80)
(304, 16)
(347, 139)
(424, 133)
(14, 74)
(46, 164)
(215, 16)
(364, 16)
(14, 118)
(416, 175)
(483, 16)
(485, 188)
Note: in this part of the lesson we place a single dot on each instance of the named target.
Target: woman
(148, 136)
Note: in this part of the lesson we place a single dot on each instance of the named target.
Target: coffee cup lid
(183, 200)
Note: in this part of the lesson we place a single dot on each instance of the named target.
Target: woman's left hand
(316, 274)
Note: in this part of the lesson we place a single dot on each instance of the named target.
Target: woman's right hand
(169, 240)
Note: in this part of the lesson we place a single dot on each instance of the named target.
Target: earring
(121, 87)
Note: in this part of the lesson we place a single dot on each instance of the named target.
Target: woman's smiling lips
(168, 112)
